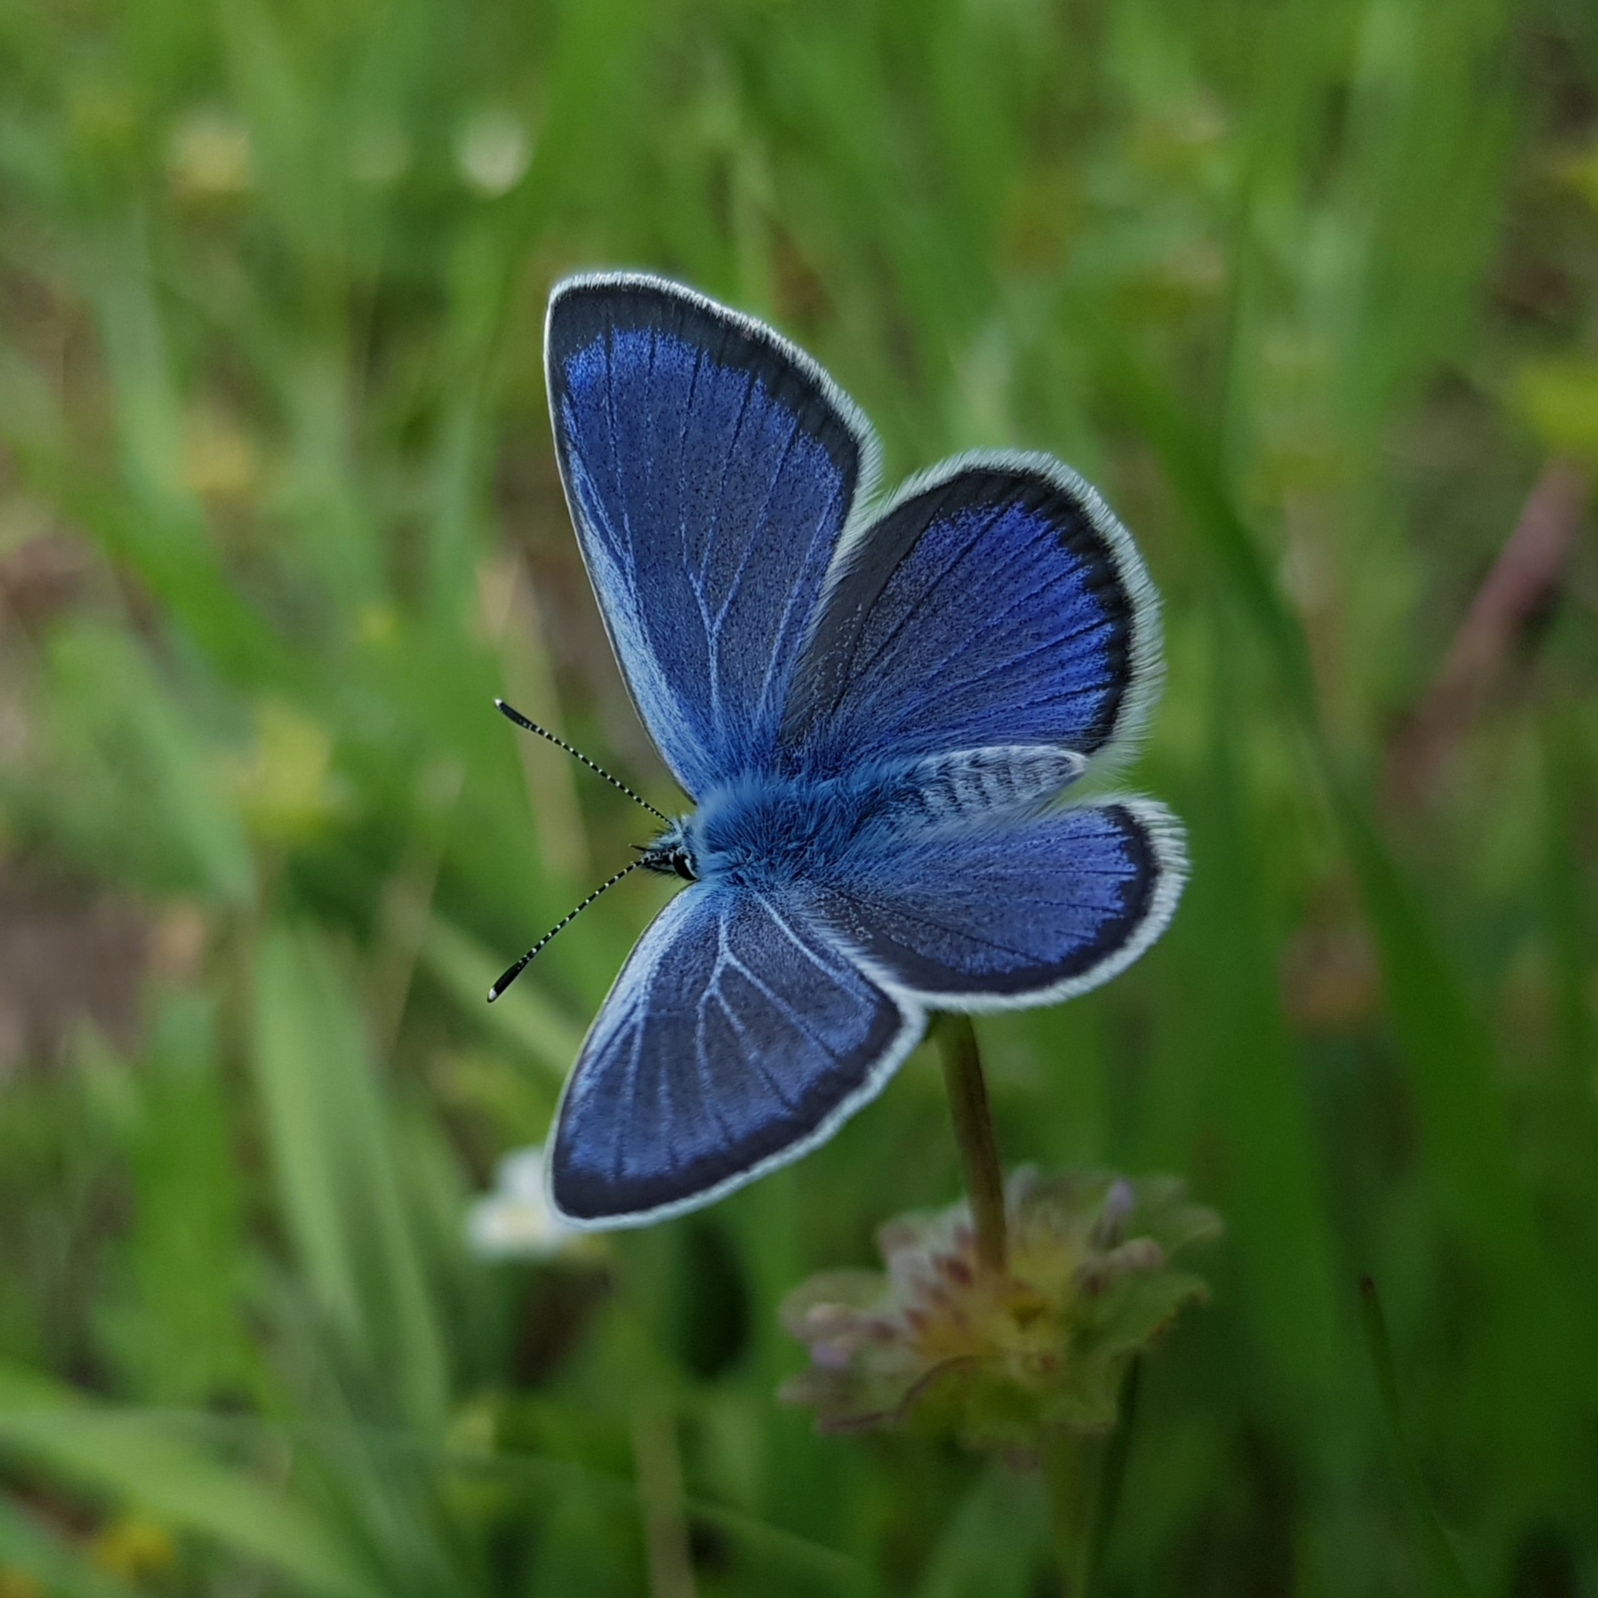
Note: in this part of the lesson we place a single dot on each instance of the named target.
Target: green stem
(1084, 1474)
(973, 1132)
(1117, 1450)
(660, 1493)
(1072, 1467)
(657, 1463)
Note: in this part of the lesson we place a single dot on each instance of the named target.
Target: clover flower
(997, 1356)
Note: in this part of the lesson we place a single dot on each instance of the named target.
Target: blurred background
(1308, 287)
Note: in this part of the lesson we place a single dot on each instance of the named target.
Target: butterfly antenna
(510, 713)
(565, 921)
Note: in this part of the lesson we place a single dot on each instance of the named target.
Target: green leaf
(27, 1546)
(337, 1176)
(140, 1459)
(993, 1544)
(121, 726)
(1447, 1574)
(1471, 1164)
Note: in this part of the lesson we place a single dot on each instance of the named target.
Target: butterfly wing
(710, 467)
(737, 1036)
(995, 602)
(995, 916)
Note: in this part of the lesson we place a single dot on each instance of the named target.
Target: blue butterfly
(876, 709)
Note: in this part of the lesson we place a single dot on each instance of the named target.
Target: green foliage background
(1308, 287)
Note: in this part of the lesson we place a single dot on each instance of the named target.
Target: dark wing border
(871, 551)
(1165, 840)
(595, 301)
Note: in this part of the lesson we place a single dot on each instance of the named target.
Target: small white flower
(514, 1221)
(493, 150)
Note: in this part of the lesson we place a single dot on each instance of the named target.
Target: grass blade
(143, 1461)
(1447, 1575)
(338, 1177)
(28, 1547)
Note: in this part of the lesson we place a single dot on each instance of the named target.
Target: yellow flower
(286, 785)
(134, 1548)
(220, 461)
(209, 155)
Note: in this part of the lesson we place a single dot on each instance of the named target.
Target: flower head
(514, 1221)
(998, 1355)
(492, 151)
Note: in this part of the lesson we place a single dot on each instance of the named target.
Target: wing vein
(752, 1055)
(938, 926)
(781, 1006)
(615, 452)
(858, 670)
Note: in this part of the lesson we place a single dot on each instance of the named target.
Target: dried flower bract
(997, 1356)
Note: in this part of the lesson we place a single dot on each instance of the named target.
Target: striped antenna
(528, 958)
(512, 714)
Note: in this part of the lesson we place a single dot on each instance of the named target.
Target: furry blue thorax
(766, 831)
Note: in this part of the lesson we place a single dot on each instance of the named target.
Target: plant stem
(1084, 1472)
(1072, 1468)
(660, 1492)
(1116, 1450)
(973, 1132)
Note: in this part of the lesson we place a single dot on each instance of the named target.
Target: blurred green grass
(1308, 288)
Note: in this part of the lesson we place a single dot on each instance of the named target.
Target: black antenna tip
(508, 977)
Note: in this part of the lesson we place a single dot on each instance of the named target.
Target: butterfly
(879, 710)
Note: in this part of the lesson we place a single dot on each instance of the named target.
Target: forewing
(710, 467)
(987, 918)
(737, 1037)
(996, 602)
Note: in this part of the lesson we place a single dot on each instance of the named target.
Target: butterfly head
(670, 855)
